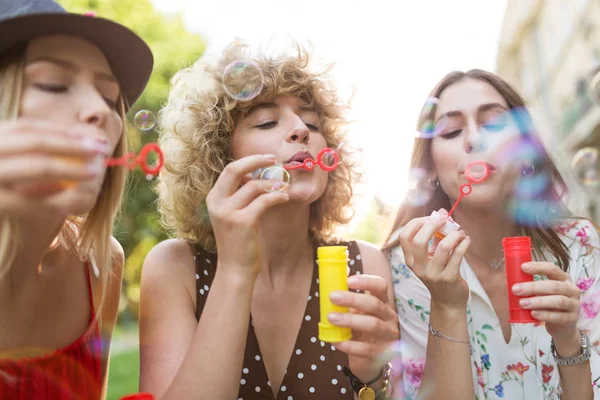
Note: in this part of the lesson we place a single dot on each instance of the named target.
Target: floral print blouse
(524, 368)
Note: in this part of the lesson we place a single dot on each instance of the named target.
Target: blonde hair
(543, 237)
(89, 236)
(195, 134)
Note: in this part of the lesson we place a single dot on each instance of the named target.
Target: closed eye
(267, 125)
(51, 87)
(312, 127)
(452, 134)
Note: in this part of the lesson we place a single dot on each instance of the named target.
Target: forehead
(467, 95)
(69, 48)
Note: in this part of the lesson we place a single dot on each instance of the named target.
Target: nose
(299, 132)
(473, 139)
(94, 110)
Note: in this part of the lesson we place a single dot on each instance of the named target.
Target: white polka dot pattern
(315, 367)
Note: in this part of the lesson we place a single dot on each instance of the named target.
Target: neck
(35, 238)
(486, 229)
(286, 248)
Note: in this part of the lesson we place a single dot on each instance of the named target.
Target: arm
(182, 358)
(110, 308)
(436, 278)
(178, 354)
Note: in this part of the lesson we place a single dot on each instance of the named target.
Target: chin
(305, 192)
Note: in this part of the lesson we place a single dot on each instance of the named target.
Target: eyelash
(271, 124)
(63, 89)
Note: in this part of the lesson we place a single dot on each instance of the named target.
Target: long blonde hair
(89, 236)
(543, 237)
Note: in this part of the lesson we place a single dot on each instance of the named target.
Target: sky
(390, 53)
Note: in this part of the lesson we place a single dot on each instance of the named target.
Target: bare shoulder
(375, 263)
(118, 257)
(373, 259)
(169, 265)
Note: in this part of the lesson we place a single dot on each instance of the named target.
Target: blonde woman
(243, 325)
(64, 90)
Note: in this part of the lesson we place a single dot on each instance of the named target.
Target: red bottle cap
(139, 396)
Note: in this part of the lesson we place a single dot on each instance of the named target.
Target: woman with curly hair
(244, 325)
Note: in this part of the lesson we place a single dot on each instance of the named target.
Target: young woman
(454, 297)
(245, 324)
(64, 90)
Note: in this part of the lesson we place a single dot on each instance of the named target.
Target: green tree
(174, 48)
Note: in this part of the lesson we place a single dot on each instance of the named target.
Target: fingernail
(333, 317)
(524, 302)
(270, 157)
(526, 267)
(352, 280)
(336, 296)
(517, 289)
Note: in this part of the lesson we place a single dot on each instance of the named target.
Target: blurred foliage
(374, 225)
(174, 48)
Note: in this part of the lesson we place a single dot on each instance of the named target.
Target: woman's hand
(373, 321)
(439, 272)
(554, 301)
(235, 207)
(40, 159)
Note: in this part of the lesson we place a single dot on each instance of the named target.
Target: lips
(299, 157)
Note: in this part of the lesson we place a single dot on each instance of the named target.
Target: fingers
(233, 174)
(444, 250)
(360, 349)
(555, 317)
(24, 170)
(368, 324)
(550, 270)
(423, 237)
(549, 287)
(374, 284)
(264, 202)
(550, 303)
(25, 136)
(364, 303)
(453, 265)
(406, 236)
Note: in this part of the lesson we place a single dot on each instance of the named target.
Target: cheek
(114, 130)
(40, 105)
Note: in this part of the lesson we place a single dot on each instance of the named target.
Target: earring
(434, 183)
(527, 169)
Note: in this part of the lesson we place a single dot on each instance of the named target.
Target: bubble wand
(131, 160)
(466, 189)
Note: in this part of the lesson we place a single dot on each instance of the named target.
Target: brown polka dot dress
(315, 369)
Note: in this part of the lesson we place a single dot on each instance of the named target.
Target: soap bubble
(586, 167)
(273, 179)
(144, 120)
(243, 80)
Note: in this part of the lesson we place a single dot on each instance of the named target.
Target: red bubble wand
(465, 189)
(309, 164)
(131, 160)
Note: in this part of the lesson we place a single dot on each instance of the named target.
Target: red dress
(70, 373)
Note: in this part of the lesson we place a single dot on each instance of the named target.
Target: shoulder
(118, 256)
(373, 260)
(169, 264)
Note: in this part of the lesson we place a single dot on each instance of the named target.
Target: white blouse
(524, 368)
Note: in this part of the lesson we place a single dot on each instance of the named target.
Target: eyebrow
(273, 105)
(481, 108)
(71, 66)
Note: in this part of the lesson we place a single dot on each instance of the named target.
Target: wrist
(450, 312)
(569, 346)
(237, 278)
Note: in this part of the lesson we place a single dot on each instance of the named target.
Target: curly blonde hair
(195, 134)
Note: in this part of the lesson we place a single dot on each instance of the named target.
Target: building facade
(550, 51)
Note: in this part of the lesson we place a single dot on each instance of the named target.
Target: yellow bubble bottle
(333, 276)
